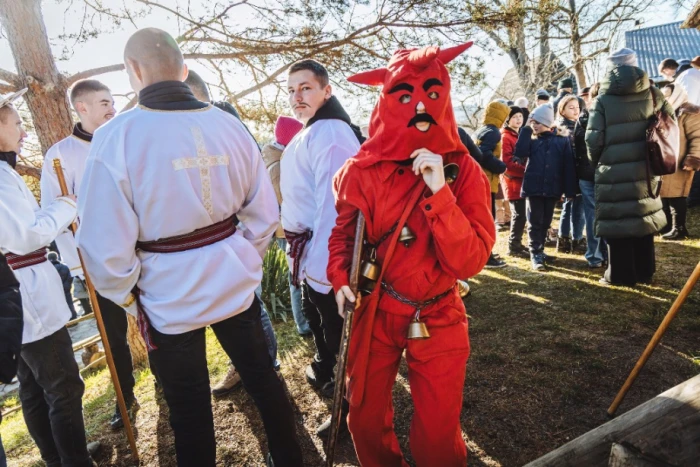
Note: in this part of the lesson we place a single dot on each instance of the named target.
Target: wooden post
(692, 280)
(101, 328)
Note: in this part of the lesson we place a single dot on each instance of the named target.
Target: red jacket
(512, 180)
(454, 227)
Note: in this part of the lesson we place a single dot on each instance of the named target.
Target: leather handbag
(663, 141)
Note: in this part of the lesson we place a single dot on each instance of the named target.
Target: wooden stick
(692, 280)
(339, 390)
(101, 328)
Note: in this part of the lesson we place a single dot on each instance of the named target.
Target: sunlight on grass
(495, 275)
(534, 298)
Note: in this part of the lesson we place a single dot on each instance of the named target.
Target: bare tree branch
(93, 72)
(9, 77)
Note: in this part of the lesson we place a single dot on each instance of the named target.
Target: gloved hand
(79, 288)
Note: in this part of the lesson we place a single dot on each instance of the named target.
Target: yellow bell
(451, 173)
(406, 236)
(371, 270)
(463, 287)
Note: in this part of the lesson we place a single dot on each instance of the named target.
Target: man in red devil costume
(398, 173)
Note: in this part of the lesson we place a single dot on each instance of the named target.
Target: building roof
(655, 43)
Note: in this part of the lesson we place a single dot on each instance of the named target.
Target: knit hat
(623, 56)
(514, 109)
(542, 94)
(566, 83)
(543, 114)
(286, 128)
(585, 92)
(522, 102)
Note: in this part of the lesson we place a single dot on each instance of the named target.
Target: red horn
(447, 55)
(371, 78)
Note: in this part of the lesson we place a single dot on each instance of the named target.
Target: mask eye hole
(405, 99)
(433, 95)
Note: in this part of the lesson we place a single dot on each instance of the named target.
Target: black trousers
(676, 210)
(116, 326)
(540, 211)
(51, 391)
(321, 311)
(71, 306)
(180, 362)
(631, 260)
(518, 219)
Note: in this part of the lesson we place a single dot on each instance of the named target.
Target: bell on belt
(451, 171)
(417, 329)
(463, 287)
(370, 272)
(406, 236)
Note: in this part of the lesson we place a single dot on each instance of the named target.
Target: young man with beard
(397, 179)
(169, 180)
(94, 105)
(50, 387)
(307, 168)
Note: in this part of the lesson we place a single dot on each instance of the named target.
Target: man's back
(690, 80)
(169, 173)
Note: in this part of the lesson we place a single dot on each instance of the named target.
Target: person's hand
(71, 197)
(344, 294)
(431, 166)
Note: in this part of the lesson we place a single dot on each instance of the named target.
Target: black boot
(563, 244)
(677, 233)
(317, 376)
(131, 408)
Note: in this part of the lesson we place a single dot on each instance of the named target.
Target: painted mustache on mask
(420, 118)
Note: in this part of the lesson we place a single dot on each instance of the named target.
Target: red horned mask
(414, 108)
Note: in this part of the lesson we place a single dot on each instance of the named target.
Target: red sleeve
(461, 223)
(342, 239)
(512, 167)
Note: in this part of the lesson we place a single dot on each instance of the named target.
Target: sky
(107, 48)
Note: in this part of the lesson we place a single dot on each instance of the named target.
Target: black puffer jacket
(577, 136)
(11, 322)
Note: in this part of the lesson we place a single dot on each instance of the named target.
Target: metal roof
(655, 43)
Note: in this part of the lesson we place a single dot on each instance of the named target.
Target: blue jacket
(550, 169)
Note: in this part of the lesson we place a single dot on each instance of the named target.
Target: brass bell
(463, 288)
(417, 329)
(370, 268)
(406, 236)
(451, 172)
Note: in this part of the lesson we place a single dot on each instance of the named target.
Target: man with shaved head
(165, 186)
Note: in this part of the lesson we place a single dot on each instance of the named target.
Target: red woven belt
(24, 261)
(297, 244)
(197, 239)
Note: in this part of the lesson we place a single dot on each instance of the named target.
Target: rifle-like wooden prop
(101, 327)
(692, 280)
(339, 391)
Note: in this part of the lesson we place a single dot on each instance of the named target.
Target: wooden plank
(666, 427)
(623, 456)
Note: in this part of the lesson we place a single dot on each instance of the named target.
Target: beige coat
(677, 185)
(271, 156)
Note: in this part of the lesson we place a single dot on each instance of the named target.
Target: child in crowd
(549, 172)
(512, 181)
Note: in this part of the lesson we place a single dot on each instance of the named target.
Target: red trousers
(436, 371)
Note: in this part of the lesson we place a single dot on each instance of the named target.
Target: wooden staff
(339, 389)
(692, 280)
(101, 327)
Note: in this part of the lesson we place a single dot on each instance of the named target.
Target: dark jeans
(116, 326)
(180, 362)
(50, 389)
(540, 211)
(596, 251)
(71, 307)
(631, 260)
(676, 210)
(518, 219)
(572, 220)
(321, 312)
(694, 195)
(3, 457)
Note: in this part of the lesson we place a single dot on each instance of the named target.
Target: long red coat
(512, 179)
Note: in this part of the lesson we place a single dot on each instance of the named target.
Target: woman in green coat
(625, 214)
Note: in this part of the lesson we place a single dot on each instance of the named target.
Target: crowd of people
(177, 205)
(588, 152)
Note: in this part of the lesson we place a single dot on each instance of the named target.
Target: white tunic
(690, 80)
(25, 228)
(157, 174)
(72, 152)
(307, 168)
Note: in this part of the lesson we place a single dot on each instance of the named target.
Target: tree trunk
(47, 97)
(139, 353)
